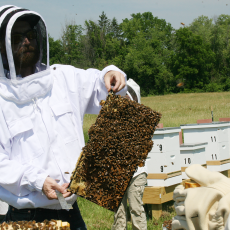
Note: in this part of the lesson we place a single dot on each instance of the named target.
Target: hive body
(163, 161)
(120, 140)
(192, 153)
(216, 135)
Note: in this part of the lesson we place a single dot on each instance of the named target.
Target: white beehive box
(228, 133)
(192, 153)
(163, 160)
(216, 135)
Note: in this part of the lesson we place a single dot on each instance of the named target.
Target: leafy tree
(143, 64)
(202, 26)
(71, 42)
(215, 32)
(56, 51)
(145, 23)
(115, 30)
(94, 42)
(151, 52)
(220, 45)
(193, 59)
(103, 41)
(148, 44)
(104, 22)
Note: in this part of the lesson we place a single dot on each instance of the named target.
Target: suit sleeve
(90, 87)
(19, 179)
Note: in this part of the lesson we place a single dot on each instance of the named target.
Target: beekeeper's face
(24, 45)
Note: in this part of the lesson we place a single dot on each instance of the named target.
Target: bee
(180, 84)
(102, 102)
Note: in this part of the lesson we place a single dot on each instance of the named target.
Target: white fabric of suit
(206, 207)
(3, 208)
(41, 118)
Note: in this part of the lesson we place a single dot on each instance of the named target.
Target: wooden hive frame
(33, 225)
(120, 140)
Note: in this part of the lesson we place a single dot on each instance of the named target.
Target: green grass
(176, 109)
(100, 218)
(180, 109)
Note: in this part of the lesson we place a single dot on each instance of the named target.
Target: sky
(57, 13)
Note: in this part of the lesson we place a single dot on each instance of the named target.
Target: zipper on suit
(35, 104)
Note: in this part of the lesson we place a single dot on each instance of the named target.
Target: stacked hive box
(216, 135)
(192, 153)
(120, 140)
(32, 225)
(163, 161)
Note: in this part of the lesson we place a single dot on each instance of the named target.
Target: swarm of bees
(119, 141)
(32, 225)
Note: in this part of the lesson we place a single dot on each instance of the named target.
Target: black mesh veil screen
(42, 41)
(132, 92)
(3, 34)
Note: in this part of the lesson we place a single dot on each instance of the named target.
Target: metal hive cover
(119, 141)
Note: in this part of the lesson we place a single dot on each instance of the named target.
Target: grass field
(176, 109)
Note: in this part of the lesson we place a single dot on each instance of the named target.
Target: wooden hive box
(119, 141)
(33, 225)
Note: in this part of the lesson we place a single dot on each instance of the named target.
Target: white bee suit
(3, 208)
(41, 118)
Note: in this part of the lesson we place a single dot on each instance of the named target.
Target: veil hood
(133, 90)
(12, 86)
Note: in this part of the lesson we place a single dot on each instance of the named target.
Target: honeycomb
(33, 225)
(119, 141)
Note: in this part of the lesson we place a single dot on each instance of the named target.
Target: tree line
(161, 59)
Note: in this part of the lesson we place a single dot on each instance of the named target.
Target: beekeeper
(41, 116)
(134, 192)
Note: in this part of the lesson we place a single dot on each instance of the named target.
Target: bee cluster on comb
(119, 141)
(33, 225)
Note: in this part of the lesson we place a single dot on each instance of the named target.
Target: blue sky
(56, 13)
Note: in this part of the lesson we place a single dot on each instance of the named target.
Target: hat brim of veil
(32, 19)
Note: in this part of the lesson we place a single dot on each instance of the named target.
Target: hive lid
(168, 130)
(205, 125)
